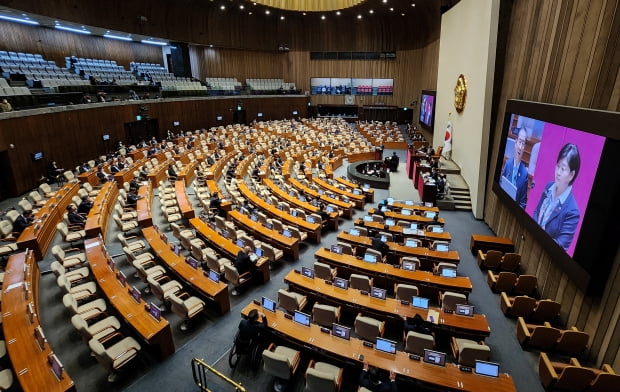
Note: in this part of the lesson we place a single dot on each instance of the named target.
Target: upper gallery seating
(102, 71)
(262, 86)
(225, 85)
(158, 74)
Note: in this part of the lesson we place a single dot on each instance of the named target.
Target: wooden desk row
(195, 278)
(420, 220)
(386, 275)
(99, 214)
(390, 309)
(490, 242)
(406, 369)
(368, 192)
(40, 234)
(156, 334)
(427, 236)
(185, 206)
(20, 297)
(145, 216)
(289, 245)
(346, 207)
(358, 200)
(313, 229)
(226, 246)
(428, 257)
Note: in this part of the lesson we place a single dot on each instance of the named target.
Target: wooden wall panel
(563, 52)
(56, 45)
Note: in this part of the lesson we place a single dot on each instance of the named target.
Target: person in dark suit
(215, 202)
(557, 211)
(516, 171)
(379, 245)
(74, 217)
(172, 174)
(369, 379)
(417, 324)
(84, 168)
(243, 263)
(132, 199)
(24, 220)
(85, 205)
(394, 162)
(250, 329)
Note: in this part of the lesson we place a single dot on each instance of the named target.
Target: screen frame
(486, 363)
(393, 344)
(433, 94)
(338, 326)
(307, 317)
(262, 302)
(427, 351)
(596, 240)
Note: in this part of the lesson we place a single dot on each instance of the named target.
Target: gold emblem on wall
(460, 93)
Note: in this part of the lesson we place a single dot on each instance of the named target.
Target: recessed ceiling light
(384, 1)
(322, 17)
(210, 46)
(250, 13)
(241, 6)
(359, 16)
(267, 12)
(303, 13)
(282, 17)
(337, 12)
(402, 14)
(413, 4)
(371, 12)
(391, 8)
(222, 7)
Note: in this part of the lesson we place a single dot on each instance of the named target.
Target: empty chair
(291, 301)
(377, 218)
(186, 307)
(545, 310)
(37, 199)
(510, 262)
(562, 376)
(6, 379)
(520, 306)
(347, 249)
(124, 215)
(100, 330)
(368, 328)
(360, 282)
(296, 233)
(86, 310)
(323, 377)
(572, 342)
(467, 352)
(90, 189)
(233, 277)
(136, 246)
(271, 253)
(70, 236)
(125, 226)
(47, 190)
(542, 337)
(416, 342)
(69, 258)
(215, 262)
(490, 260)
(162, 288)
(114, 357)
(443, 265)
(404, 292)
(324, 271)
(504, 281)
(79, 291)
(146, 270)
(182, 233)
(25, 205)
(8, 238)
(448, 300)
(525, 285)
(282, 363)
(325, 315)
(73, 275)
(605, 380)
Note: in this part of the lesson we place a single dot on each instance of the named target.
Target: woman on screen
(557, 211)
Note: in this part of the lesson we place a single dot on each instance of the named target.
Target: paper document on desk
(433, 316)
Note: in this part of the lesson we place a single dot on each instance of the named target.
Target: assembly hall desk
(408, 370)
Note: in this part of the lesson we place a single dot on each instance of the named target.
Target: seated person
(134, 184)
(243, 263)
(83, 168)
(24, 220)
(74, 217)
(324, 215)
(379, 245)
(250, 329)
(216, 203)
(172, 174)
(114, 168)
(371, 380)
(417, 325)
(85, 205)
(103, 176)
(132, 199)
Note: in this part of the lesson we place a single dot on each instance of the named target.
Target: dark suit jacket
(521, 196)
(242, 262)
(563, 220)
(20, 224)
(381, 387)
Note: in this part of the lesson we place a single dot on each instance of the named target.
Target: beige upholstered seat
(73, 275)
(186, 307)
(162, 289)
(99, 330)
(233, 277)
(70, 236)
(325, 315)
(449, 300)
(324, 271)
(291, 301)
(69, 258)
(360, 282)
(79, 291)
(466, 351)
(86, 310)
(347, 249)
(323, 377)
(282, 363)
(47, 190)
(368, 328)
(271, 253)
(404, 292)
(113, 358)
(6, 379)
(416, 342)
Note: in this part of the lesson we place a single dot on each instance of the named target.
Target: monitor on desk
(354, 232)
(441, 247)
(240, 243)
(55, 365)
(429, 214)
(269, 225)
(111, 264)
(448, 272)
(321, 192)
(386, 346)
(384, 209)
(259, 252)
(405, 211)
(307, 272)
(411, 242)
(408, 265)
(390, 200)
(254, 218)
(419, 302)
(413, 226)
(357, 192)
(310, 219)
(341, 283)
(464, 310)
(330, 209)
(268, 304)
(437, 229)
(135, 294)
(155, 311)
(39, 337)
(214, 276)
(294, 213)
(302, 198)
(408, 231)
(287, 233)
(384, 238)
(434, 357)
(366, 186)
(428, 204)
(489, 369)
(225, 234)
(367, 218)
(341, 331)
(337, 249)
(409, 202)
(370, 258)
(211, 225)
(378, 293)
(177, 250)
(192, 262)
(301, 318)
(390, 222)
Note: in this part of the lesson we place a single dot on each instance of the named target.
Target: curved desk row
(145, 217)
(385, 275)
(99, 214)
(427, 236)
(406, 369)
(420, 220)
(195, 278)
(20, 310)
(185, 206)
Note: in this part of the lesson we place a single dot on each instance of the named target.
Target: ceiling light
(119, 37)
(359, 16)
(222, 7)
(313, 6)
(241, 6)
(282, 17)
(413, 4)
(402, 14)
(337, 12)
(391, 8)
(25, 20)
(267, 12)
(250, 13)
(371, 12)
(160, 43)
(72, 29)
(322, 17)
(384, 1)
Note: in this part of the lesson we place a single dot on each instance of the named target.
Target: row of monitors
(52, 360)
(412, 229)
(408, 212)
(410, 242)
(407, 265)
(385, 345)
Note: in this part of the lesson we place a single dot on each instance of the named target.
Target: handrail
(199, 372)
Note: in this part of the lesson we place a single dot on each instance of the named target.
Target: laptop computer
(489, 369)
(419, 302)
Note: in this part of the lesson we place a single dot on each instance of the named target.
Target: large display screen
(351, 86)
(427, 108)
(558, 170)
